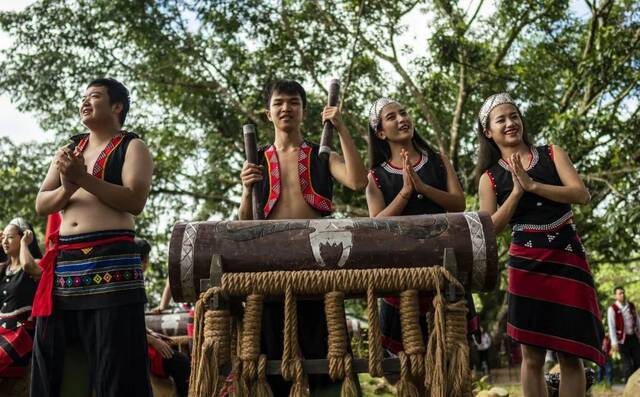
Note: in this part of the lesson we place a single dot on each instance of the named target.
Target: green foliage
(196, 70)
(22, 168)
(481, 384)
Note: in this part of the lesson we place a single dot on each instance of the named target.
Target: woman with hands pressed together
(552, 300)
(407, 177)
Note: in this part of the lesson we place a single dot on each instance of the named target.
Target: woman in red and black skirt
(552, 300)
(18, 282)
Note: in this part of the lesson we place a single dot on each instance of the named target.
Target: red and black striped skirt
(552, 299)
(16, 345)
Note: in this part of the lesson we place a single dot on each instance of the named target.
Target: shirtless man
(91, 296)
(297, 184)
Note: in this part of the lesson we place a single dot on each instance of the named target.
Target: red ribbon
(43, 300)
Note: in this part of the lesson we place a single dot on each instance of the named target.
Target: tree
(21, 170)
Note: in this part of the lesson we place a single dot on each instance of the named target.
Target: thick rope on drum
(337, 334)
(404, 387)
(291, 357)
(457, 350)
(313, 282)
(212, 331)
(250, 348)
(262, 386)
(233, 385)
(435, 356)
(198, 327)
(411, 331)
(338, 338)
(200, 347)
(375, 338)
(215, 352)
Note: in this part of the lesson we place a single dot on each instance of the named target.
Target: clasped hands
(71, 168)
(522, 182)
(411, 180)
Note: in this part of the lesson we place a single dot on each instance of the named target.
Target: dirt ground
(508, 379)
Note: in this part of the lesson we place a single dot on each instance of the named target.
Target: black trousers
(115, 345)
(630, 355)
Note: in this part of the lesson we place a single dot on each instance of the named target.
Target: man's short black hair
(290, 87)
(143, 248)
(118, 93)
(617, 288)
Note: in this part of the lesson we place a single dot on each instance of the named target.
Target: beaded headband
(376, 109)
(490, 103)
(20, 223)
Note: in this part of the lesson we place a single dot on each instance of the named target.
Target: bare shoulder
(138, 149)
(138, 158)
(560, 157)
(445, 160)
(137, 144)
(485, 184)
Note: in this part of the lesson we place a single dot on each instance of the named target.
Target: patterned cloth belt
(43, 301)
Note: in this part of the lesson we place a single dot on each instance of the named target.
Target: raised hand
(250, 174)
(332, 114)
(27, 237)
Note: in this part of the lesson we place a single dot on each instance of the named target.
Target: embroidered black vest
(429, 168)
(108, 165)
(16, 300)
(533, 211)
(316, 182)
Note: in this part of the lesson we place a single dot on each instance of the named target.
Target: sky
(17, 125)
(23, 127)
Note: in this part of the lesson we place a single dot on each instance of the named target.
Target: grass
(376, 387)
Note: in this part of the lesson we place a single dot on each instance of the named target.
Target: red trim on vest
(375, 179)
(273, 167)
(310, 196)
(551, 153)
(101, 161)
(620, 334)
(493, 181)
(413, 165)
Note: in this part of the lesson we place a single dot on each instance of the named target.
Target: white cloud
(19, 126)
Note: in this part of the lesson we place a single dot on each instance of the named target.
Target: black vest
(316, 182)
(430, 169)
(532, 209)
(115, 159)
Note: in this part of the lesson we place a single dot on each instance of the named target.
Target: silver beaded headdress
(490, 103)
(376, 109)
(20, 223)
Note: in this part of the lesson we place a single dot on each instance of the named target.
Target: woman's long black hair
(379, 150)
(488, 151)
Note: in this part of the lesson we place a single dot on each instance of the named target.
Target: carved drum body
(170, 324)
(333, 244)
